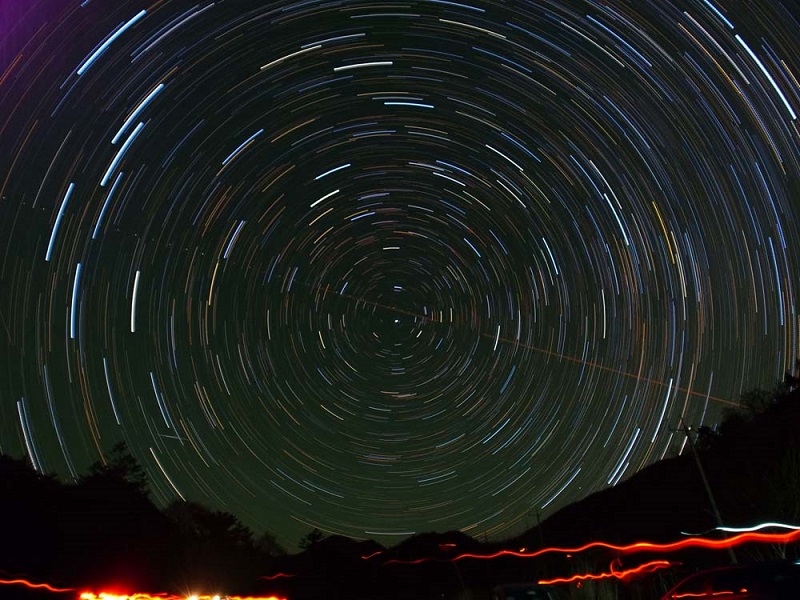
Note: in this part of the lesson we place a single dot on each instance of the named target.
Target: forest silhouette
(105, 531)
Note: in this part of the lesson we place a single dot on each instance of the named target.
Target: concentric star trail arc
(389, 270)
(511, 341)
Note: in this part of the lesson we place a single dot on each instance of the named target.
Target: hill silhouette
(105, 530)
(752, 467)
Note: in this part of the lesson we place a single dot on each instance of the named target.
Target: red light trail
(648, 567)
(136, 596)
(143, 596)
(748, 536)
(277, 576)
(694, 542)
(36, 586)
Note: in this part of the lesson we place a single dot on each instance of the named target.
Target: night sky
(386, 267)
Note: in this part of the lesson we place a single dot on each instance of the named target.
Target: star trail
(386, 267)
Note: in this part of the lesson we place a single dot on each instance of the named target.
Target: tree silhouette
(756, 401)
(105, 529)
(706, 438)
(116, 529)
(791, 380)
(216, 548)
(268, 545)
(28, 517)
(120, 467)
(212, 528)
(311, 539)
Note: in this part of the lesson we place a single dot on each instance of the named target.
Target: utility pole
(685, 429)
(539, 528)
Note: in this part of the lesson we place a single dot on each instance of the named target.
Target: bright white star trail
(391, 268)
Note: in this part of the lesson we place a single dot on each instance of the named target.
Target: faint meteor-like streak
(494, 336)
(608, 369)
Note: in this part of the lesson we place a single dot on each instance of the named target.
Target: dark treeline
(105, 531)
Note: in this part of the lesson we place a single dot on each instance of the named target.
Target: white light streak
(58, 222)
(121, 153)
(288, 56)
(233, 239)
(104, 46)
(142, 105)
(133, 301)
(377, 63)
(325, 197)
(73, 321)
(331, 171)
(767, 75)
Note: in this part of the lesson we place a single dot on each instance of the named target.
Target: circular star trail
(385, 268)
